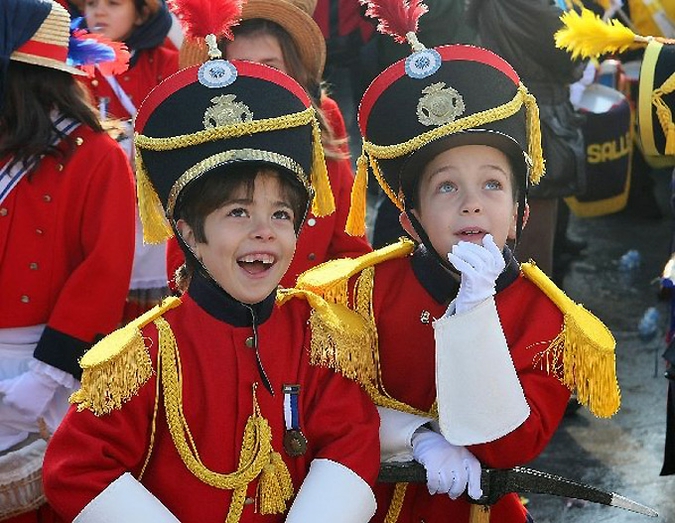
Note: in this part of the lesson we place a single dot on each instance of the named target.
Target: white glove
(30, 392)
(450, 469)
(480, 266)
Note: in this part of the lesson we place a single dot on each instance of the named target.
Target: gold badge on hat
(226, 111)
(439, 105)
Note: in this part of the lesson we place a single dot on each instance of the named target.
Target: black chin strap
(443, 262)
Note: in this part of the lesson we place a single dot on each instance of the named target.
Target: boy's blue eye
(446, 187)
(493, 185)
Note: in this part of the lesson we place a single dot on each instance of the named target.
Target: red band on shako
(44, 50)
(188, 76)
(449, 53)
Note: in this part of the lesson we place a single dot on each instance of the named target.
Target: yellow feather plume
(586, 35)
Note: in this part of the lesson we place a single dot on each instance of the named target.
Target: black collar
(440, 283)
(224, 307)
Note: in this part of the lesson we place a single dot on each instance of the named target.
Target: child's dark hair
(213, 190)
(32, 92)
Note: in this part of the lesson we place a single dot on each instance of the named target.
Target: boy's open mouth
(256, 263)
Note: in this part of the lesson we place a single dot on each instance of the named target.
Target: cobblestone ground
(622, 454)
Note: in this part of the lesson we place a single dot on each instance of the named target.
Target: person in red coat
(210, 407)
(282, 34)
(144, 26)
(66, 239)
(474, 354)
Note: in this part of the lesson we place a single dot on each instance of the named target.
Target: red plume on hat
(396, 19)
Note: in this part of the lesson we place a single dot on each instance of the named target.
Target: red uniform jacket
(321, 239)
(218, 372)
(404, 309)
(66, 248)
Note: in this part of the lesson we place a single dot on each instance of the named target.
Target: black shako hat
(215, 115)
(434, 100)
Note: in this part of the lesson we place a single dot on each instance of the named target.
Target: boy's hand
(480, 266)
(450, 469)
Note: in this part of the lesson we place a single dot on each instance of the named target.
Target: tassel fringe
(664, 114)
(324, 203)
(585, 346)
(156, 228)
(275, 486)
(356, 220)
(534, 138)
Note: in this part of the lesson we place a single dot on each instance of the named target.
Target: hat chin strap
(424, 237)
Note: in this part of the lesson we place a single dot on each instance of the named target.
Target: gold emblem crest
(226, 111)
(439, 105)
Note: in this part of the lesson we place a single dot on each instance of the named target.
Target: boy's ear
(188, 235)
(143, 16)
(405, 222)
(514, 222)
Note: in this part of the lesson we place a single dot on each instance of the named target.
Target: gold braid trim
(664, 114)
(396, 503)
(263, 125)
(256, 455)
(585, 346)
(371, 153)
(116, 367)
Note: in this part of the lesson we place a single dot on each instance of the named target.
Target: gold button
(39, 232)
(126, 78)
(3, 211)
(249, 501)
(33, 266)
(94, 83)
(59, 167)
(25, 299)
(46, 197)
(311, 256)
(79, 140)
(249, 342)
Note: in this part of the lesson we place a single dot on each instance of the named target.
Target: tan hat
(48, 47)
(295, 16)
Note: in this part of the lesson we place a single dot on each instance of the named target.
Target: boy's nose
(263, 230)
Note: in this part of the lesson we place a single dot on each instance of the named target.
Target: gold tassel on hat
(585, 347)
(324, 203)
(156, 228)
(664, 113)
(533, 136)
(356, 220)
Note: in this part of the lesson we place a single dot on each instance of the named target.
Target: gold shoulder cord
(257, 455)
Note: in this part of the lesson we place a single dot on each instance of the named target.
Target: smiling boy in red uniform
(473, 350)
(207, 408)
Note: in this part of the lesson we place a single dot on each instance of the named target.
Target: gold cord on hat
(156, 227)
(371, 153)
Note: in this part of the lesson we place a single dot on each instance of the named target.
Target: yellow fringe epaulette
(341, 337)
(585, 347)
(330, 279)
(117, 366)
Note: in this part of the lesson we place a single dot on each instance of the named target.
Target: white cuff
(332, 493)
(125, 499)
(396, 431)
(53, 374)
(479, 394)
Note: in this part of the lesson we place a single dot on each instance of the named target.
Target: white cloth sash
(12, 173)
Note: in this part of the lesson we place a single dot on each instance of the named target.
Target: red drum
(21, 477)
(608, 136)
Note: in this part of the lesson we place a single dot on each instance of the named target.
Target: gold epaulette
(330, 279)
(117, 366)
(341, 337)
(586, 347)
